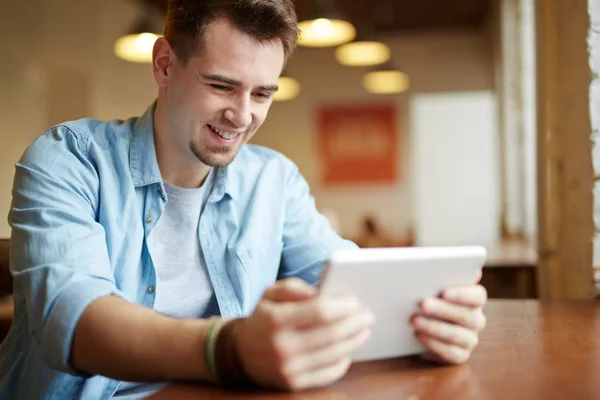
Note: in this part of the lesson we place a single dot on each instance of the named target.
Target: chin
(221, 162)
(214, 158)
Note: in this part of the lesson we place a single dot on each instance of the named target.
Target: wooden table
(530, 350)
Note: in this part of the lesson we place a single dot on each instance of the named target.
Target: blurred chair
(371, 235)
(5, 277)
(6, 286)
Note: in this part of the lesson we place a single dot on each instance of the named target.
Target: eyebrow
(233, 82)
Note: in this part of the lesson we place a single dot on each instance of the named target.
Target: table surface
(530, 350)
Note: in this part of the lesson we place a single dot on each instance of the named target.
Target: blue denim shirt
(86, 196)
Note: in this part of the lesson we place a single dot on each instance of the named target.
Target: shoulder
(75, 139)
(104, 134)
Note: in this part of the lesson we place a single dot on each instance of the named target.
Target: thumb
(291, 289)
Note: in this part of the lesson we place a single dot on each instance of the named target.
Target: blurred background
(430, 140)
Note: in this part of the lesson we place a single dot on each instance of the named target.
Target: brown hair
(264, 20)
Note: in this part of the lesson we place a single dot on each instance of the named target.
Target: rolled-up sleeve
(59, 259)
(308, 238)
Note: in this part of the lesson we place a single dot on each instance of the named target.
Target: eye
(220, 88)
(263, 95)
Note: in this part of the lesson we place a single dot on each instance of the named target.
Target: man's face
(217, 102)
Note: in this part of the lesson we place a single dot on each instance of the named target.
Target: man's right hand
(298, 340)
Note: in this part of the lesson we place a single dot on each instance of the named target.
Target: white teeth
(224, 134)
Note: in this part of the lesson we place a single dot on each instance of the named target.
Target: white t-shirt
(183, 288)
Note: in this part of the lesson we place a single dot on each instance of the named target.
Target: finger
(323, 336)
(323, 377)
(290, 290)
(470, 296)
(446, 352)
(467, 317)
(328, 355)
(319, 311)
(450, 334)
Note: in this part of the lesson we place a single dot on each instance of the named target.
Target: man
(128, 236)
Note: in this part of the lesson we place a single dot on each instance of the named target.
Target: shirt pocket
(261, 266)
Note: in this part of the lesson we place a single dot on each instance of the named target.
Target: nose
(239, 113)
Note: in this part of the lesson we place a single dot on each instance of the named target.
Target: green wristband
(211, 340)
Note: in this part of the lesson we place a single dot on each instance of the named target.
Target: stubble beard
(213, 157)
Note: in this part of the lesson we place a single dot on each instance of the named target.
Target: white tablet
(392, 282)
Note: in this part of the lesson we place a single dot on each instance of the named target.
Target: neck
(177, 169)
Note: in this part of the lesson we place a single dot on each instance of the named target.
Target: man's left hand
(449, 326)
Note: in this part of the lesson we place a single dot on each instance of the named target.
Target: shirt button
(150, 289)
(222, 282)
(149, 219)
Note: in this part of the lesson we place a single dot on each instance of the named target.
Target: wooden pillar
(565, 174)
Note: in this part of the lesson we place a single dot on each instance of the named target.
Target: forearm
(126, 341)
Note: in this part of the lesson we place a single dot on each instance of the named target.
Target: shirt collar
(144, 165)
(224, 184)
(142, 154)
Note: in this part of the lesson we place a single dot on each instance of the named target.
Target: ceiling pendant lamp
(136, 46)
(289, 88)
(363, 52)
(327, 28)
(385, 80)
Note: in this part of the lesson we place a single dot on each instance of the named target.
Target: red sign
(358, 144)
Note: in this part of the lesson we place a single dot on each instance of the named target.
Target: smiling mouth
(227, 135)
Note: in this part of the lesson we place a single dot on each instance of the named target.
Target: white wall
(79, 36)
(456, 169)
(511, 116)
(594, 49)
(528, 70)
(516, 86)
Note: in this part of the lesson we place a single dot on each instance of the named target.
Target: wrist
(228, 364)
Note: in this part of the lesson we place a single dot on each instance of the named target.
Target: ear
(163, 57)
